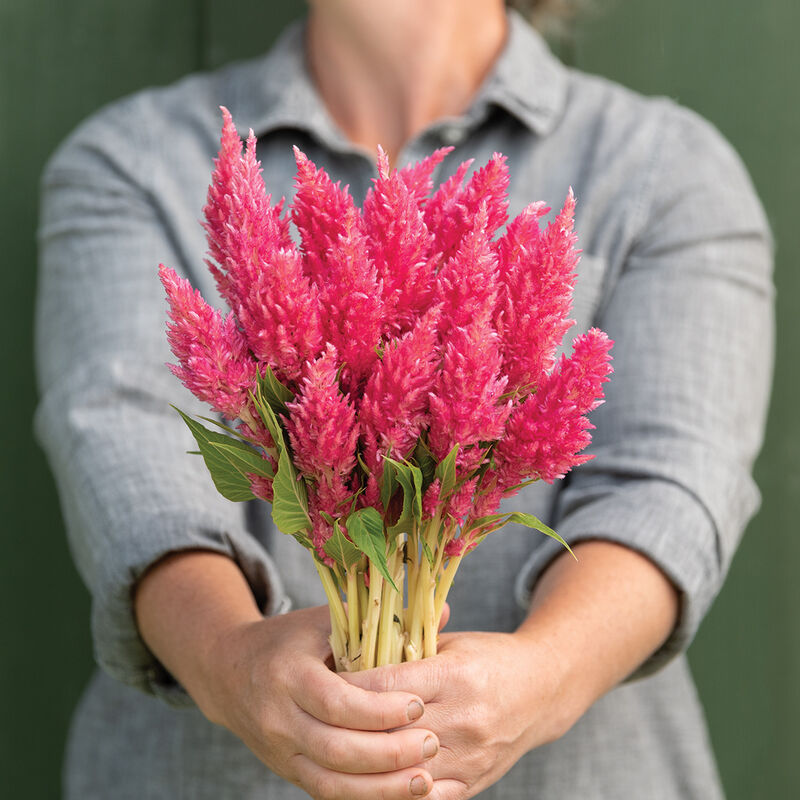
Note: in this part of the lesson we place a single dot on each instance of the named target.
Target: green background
(734, 61)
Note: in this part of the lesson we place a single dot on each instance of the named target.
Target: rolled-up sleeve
(129, 492)
(691, 313)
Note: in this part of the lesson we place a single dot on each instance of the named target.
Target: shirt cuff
(661, 521)
(119, 648)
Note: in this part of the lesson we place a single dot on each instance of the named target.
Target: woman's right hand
(268, 681)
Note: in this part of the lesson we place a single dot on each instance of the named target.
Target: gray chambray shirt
(676, 268)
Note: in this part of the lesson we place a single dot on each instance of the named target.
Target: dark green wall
(734, 61)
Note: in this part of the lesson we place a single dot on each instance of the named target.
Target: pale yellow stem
(338, 638)
(353, 615)
(372, 619)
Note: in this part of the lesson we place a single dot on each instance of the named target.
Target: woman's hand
(268, 681)
(275, 691)
(490, 698)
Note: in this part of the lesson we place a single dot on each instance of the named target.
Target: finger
(445, 618)
(423, 678)
(325, 784)
(361, 752)
(329, 698)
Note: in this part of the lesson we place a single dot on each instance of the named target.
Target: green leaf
(410, 478)
(289, 503)
(225, 428)
(244, 458)
(496, 521)
(426, 462)
(273, 392)
(365, 527)
(341, 549)
(446, 473)
(230, 481)
(426, 549)
(270, 420)
(388, 482)
(529, 521)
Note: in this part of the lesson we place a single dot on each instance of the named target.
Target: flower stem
(338, 638)
(353, 616)
(445, 582)
(372, 618)
(388, 602)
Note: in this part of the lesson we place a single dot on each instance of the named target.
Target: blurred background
(735, 61)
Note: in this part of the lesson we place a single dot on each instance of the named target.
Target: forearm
(185, 604)
(601, 617)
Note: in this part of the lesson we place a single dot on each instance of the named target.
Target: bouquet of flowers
(389, 379)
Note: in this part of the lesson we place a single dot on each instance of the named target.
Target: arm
(129, 493)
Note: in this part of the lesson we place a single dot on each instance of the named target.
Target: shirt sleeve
(130, 494)
(691, 313)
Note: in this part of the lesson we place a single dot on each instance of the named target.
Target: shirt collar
(276, 91)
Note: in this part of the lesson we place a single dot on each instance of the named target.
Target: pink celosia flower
(280, 312)
(322, 422)
(213, 360)
(465, 405)
(322, 211)
(337, 257)
(466, 285)
(537, 277)
(417, 177)
(459, 504)
(430, 500)
(443, 214)
(394, 406)
(399, 244)
(451, 210)
(261, 487)
(547, 432)
(242, 227)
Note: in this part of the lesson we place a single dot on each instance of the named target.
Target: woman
(572, 683)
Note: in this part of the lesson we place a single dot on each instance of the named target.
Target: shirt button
(453, 134)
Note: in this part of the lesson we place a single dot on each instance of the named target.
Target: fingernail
(418, 786)
(414, 710)
(430, 747)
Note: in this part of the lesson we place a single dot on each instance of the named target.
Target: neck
(387, 69)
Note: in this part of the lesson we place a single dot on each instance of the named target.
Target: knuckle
(332, 705)
(331, 752)
(326, 786)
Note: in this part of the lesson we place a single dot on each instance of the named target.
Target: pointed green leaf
(365, 527)
(529, 521)
(270, 420)
(426, 462)
(302, 538)
(341, 549)
(388, 482)
(289, 503)
(446, 473)
(225, 428)
(273, 392)
(230, 481)
(410, 479)
(426, 549)
(244, 458)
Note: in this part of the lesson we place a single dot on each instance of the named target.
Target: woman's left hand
(490, 698)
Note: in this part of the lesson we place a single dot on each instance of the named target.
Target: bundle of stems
(389, 380)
